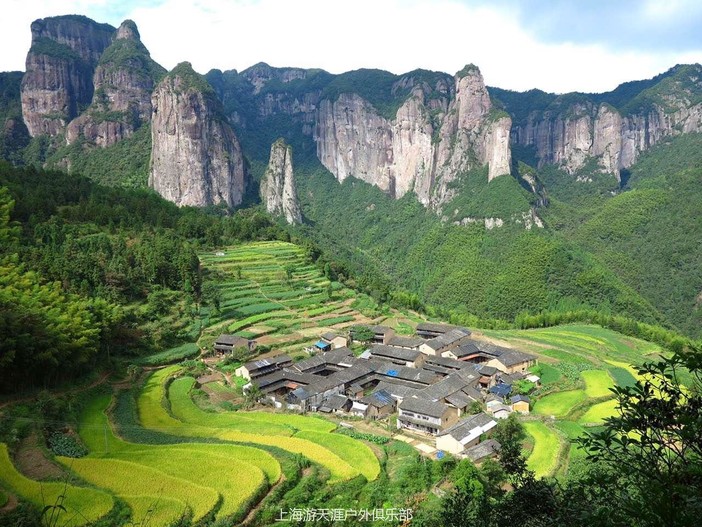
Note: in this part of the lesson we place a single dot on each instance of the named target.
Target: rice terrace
(173, 448)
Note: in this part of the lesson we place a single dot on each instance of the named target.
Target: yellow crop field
(83, 505)
(125, 479)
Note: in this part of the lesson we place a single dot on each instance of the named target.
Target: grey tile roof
(482, 450)
(470, 426)
(406, 342)
(447, 339)
(421, 406)
(258, 364)
(231, 340)
(391, 352)
(434, 327)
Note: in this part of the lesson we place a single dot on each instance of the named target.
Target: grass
(154, 416)
(358, 454)
(597, 413)
(169, 356)
(209, 465)
(560, 403)
(597, 383)
(83, 505)
(125, 479)
(549, 374)
(543, 459)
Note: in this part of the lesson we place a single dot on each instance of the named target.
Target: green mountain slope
(650, 235)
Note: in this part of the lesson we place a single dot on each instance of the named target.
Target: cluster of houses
(438, 383)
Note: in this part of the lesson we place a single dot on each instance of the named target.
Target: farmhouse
(226, 343)
(466, 433)
(449, 340)
(336, 404)
(400, 356)
(419, 415)
(483, 450)
(379, 404)
(520, 403)
(334, 340)
(429, 330)
(410, 343)
(260, 367)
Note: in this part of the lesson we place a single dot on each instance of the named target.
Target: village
(444, 388)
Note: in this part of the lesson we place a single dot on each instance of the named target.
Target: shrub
(66, 445)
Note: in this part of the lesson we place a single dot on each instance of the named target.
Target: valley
(287, 296)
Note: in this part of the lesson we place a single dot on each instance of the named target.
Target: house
(449, 340)
(430, 417)
(322, 345)
(355, 391)
(382, 334)
(499, 411)
(334, 340)
(400, 356)
(501, 389)
(534, 378)
(465, 351)
(508, 360)
(410, 343)
(258, 368)
(380, 404)
(483, 450)
(359, 409)
(429, 330)
(336, 404)
(466, 433)
(520, 403)
(226, 343)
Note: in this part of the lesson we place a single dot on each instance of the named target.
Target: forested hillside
(90, 272)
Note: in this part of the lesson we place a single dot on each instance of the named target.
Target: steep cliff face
(472, 134)
(124, 79)
(58, 82)
(403, 154)
(278, 184)
(196, 158)
(570, 134)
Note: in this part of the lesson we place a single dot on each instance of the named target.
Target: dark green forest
(86, 270)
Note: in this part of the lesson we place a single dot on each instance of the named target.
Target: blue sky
(554, 45)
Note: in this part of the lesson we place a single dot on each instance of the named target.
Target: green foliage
(66, 445)
(50, 47)
(190, 79)
(372, 438)
(502, 197)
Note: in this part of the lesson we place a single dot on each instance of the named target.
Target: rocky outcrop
(569, 135)
(433, 138)
(278, 184)
(124, 79)
(58, 82)
(196, 158)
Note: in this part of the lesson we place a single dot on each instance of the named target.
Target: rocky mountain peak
(278, 184)
(127, 30)
(196, 158)
(124, 79)
(59, 70)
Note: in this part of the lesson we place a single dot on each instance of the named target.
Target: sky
(554, 45)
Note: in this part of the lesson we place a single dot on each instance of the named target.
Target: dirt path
(32, 461)
(252, 513)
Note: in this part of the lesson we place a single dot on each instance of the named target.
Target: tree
(362, 333)
(655, 442)
(510, 434)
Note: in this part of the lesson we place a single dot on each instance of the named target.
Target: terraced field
(81, 505)
(580, 364)
(272, 293)
(348, 459)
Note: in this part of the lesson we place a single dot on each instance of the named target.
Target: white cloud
(394, 35)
